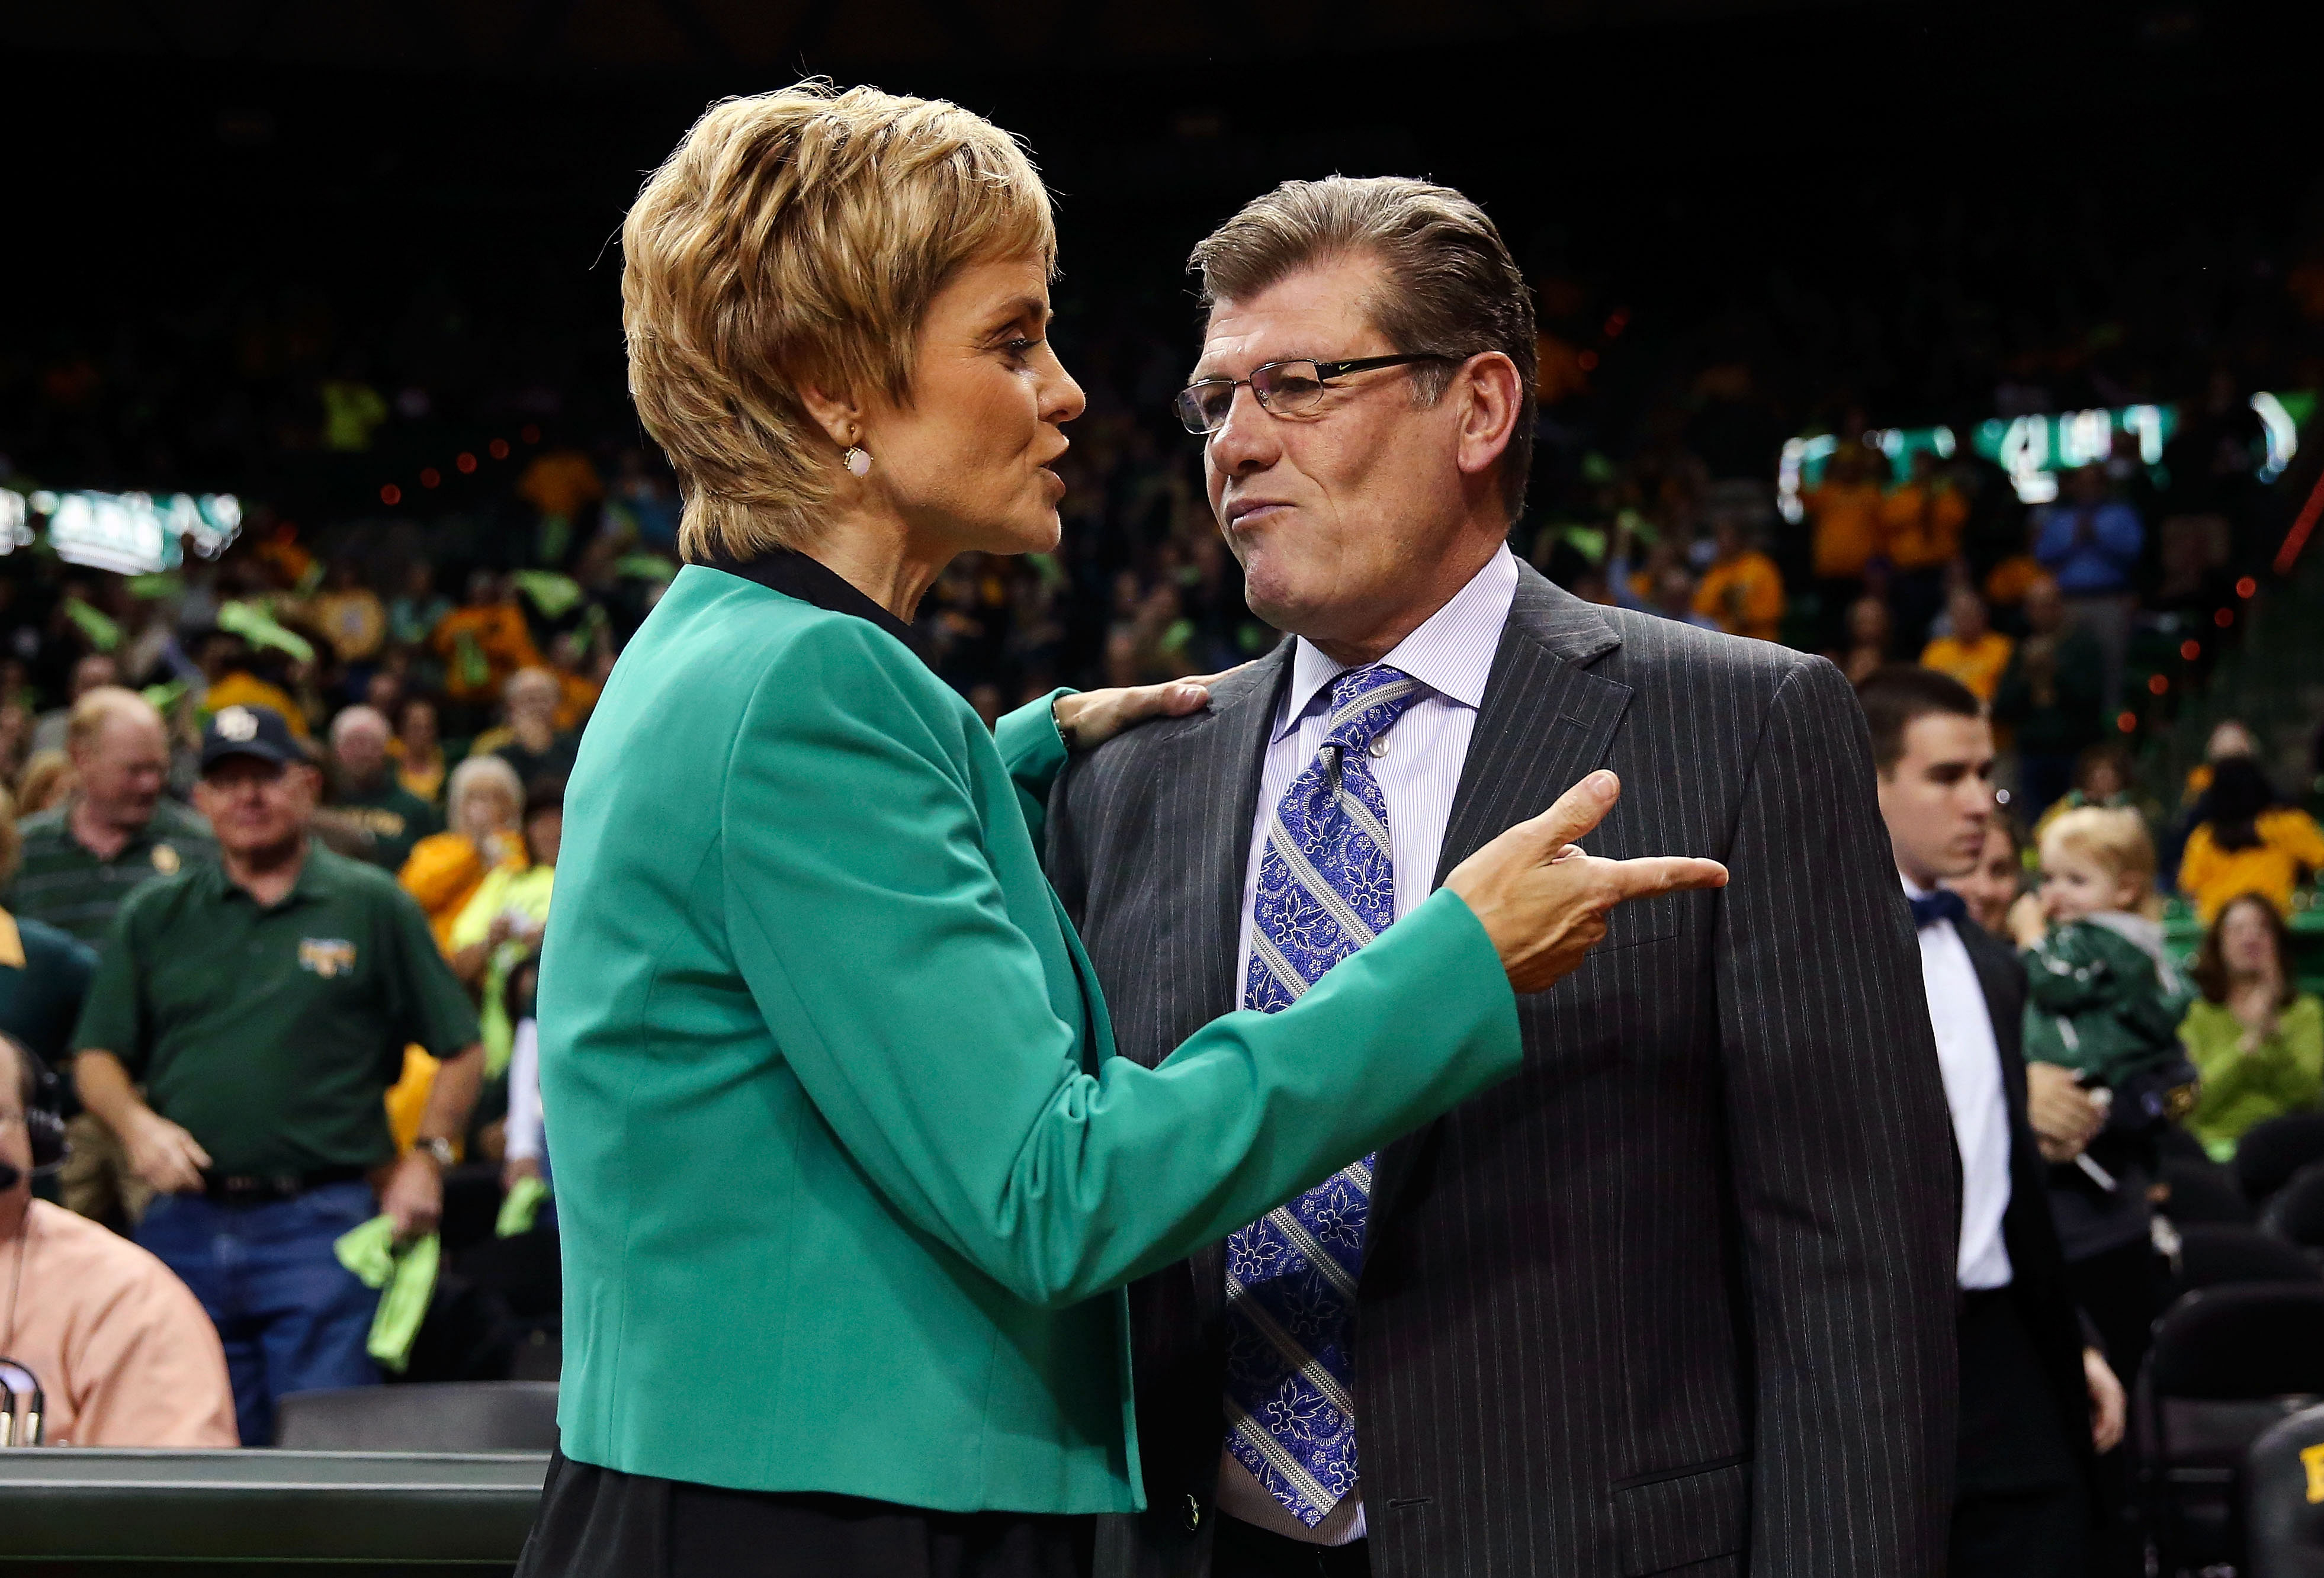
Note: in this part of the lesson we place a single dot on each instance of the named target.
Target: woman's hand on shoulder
(1088, 719)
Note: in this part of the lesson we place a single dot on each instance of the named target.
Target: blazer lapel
(1545, 724)
(1204, 811)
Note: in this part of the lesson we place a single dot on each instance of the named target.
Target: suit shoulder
(1652, 645)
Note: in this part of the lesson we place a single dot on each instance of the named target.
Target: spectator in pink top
(123, 1352)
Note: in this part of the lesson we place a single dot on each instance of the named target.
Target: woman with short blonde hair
(848, 1175)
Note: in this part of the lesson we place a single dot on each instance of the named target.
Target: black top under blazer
(1681, 1294)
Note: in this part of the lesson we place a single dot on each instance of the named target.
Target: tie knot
(1365, 702)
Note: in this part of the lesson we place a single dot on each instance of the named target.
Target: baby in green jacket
(2102, 997)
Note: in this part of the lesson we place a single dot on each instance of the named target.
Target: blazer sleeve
(1034, 752)
(1847, 1180)
(866, 916)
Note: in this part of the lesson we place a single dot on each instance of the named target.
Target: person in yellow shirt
(445, 870)
(482, 642)
(2247, 841)
(1973, 652)
(1844, 519)
(1742, 592)
(1919, 534)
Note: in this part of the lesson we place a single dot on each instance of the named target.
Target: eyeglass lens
(1282, 387)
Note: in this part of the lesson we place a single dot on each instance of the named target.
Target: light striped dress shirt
(1418, 761)
(1417, 764)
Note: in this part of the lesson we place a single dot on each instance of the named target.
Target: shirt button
(1379, 746)
(1191, 1515)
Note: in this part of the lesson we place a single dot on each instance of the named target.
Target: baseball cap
(248, 731)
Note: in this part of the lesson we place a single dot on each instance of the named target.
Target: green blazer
(847, 1172)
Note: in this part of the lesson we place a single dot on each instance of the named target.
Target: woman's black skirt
(601, 1523)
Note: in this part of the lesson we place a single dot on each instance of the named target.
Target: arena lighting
(2248, 588)
(497, 449)
(389, 494)
(2034, 449)
(1803, 459)
(466, 463)
(2126, 721)
(2189, 650)
(431, 477)
(2157, 684)
(135, 534)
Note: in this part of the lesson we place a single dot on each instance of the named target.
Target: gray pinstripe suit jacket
(1680, 1296)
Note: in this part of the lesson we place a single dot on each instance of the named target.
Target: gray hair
(1451, 286)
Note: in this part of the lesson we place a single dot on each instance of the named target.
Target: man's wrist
(437, 1150)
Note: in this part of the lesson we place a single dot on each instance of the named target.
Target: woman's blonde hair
(483, 772)
(2116, 838)
(796, 239)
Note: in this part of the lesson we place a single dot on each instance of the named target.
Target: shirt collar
(1451, 652)
(313, 881)
(797, 574)
(1912, 889)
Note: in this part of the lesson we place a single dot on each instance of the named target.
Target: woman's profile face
(967, 464)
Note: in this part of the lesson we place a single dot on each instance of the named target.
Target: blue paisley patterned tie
(1326, 886)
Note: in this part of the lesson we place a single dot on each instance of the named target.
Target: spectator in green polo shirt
(44, 972)
(264, 1004)
(80, 861)
(117, 832)
(364, 794)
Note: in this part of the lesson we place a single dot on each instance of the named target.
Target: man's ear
(1490, 392)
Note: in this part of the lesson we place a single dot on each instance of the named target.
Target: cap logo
(238, 724)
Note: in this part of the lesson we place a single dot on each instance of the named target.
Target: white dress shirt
(1417, 763)
(1971, 1059)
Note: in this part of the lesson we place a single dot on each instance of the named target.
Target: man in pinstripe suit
(1680, 1296)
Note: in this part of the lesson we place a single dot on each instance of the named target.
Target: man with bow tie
(2034, 1401)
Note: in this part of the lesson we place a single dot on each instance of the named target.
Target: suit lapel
(1203, 819)
(1545, 724)
(1203, 812)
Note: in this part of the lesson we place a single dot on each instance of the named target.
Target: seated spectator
(2230, 737)
(123, 1352)
(581, 661)
(446, 868)
(2090, 543)
(1742, 592)
(366, 794)
(1869, 635)
(502, 922)
(2050, 695)
(349, 615)
(2102, 778)
(418, 750)
(482, 642)
(1996, 882)
(240, 675)
(530, 741)
(2257, 1039)
(46, 783)
(44, 973)
(1972, 650)
(1921, 534)
(2249, 841)
(1844, 524)
(96, 669)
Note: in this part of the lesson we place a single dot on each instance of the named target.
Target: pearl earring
(857, 461)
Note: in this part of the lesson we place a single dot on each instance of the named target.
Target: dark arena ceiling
(553, 36)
